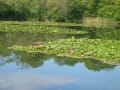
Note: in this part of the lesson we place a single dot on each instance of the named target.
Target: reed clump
(99, 22)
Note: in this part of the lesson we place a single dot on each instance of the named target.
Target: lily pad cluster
(37, 23)
(107, 51)
(39, 28)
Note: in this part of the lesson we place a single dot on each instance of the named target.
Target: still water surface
(35, 71)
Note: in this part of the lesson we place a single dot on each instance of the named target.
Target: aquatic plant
(37, 23)
(107, 51)
(30, 27)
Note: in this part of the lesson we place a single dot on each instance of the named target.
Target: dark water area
(35, 71)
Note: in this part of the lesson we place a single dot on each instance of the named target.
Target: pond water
(35, 71)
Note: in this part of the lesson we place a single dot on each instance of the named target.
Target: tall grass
(99, 22)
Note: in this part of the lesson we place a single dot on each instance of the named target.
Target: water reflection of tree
(33, 60)
(25, 60)
(89, 63)
(8, 59)
(111, 33)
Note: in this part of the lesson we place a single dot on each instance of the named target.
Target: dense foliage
(58, 10)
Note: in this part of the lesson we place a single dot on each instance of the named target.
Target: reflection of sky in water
(31, 81)
(53, 77)
(11, 57)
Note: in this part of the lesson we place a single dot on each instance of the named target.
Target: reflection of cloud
(29, 81)
(12, 57)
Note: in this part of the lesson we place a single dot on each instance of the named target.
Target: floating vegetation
(36, 23)
(22, 27)
(107, 51)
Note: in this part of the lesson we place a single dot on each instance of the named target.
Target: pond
(35, 71)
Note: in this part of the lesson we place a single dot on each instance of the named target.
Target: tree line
(58, 10)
